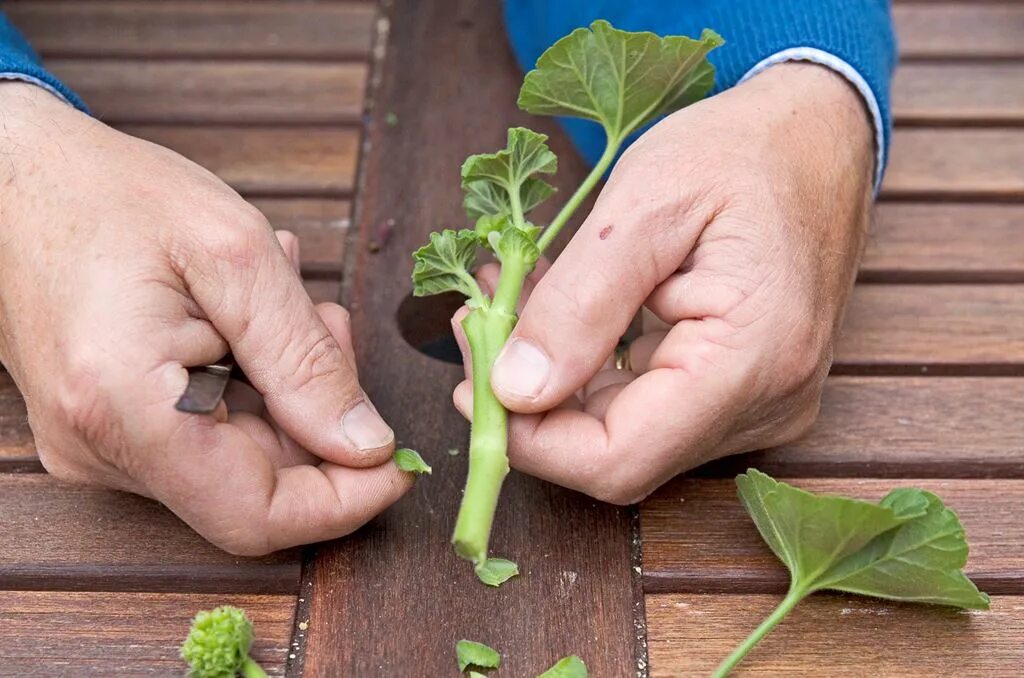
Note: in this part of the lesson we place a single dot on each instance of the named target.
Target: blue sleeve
(19, 62)
(854, 37)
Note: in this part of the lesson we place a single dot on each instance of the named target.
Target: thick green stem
(794, 596)
(251, 669)
(549, 234)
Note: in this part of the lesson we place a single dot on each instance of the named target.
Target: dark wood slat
(63, 537)
(965, 29)
(48, 634)
(321, 226)
(323, 290)
(933, 325)
(945, 241)
(697, 537)
(17, 451)
(949, 163)
(576, 594)
(266, 160)
(194, 28)
(946, 93)
(122, 91)
(851, 636)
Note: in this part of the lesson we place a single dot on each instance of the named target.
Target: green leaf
(518, 244)
(492, 180)
(567, 667)
(471, 653)
(476, 674)
(619, 79)
(496, 571)
(443, 265)
(411, 461)
(484, 198)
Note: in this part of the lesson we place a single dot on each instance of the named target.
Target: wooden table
(276, 97)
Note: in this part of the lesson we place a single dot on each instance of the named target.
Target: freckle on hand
(606, 231)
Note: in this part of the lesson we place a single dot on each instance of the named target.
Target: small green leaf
(443, 265)
(471, 653)
(619, 79)
(491, 180)
(411, 461)
(567, 667)
(518, 244)
(476, 674)
(486, 198)
(496, 571)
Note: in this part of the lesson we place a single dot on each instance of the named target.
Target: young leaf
(516, 243)
(471, 653)
(411, 461)
(567, 667)
(496, 571)
(484, 198)
(443, 265)
(619, 79)
(494, 182)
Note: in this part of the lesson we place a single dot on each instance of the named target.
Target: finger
(252, 295)
(642, 348)
(339, 324)
(488, 275)
(599, 401)
(463, 343)
(462, 396)
(277, 445)
(586, 301)
(290, 244)
(605, 378)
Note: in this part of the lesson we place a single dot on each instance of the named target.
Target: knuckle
(241, 242)
(317, 357)
(805, 360)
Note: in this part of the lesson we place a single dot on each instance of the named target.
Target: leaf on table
(493, 180)
(619, 79)
(472, 653)
(410, 461)
(444, 263)
(567, 667)
(496, 571)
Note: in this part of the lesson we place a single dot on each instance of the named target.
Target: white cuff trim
(35, 81)
(818, 56)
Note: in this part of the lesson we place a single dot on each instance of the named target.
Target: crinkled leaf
(410, 461)
(619, 79)
(443, 265)
(490, 179)
(471, 653)
(919, 561)
(484, 198)
(518, 244)
(567, 667)
(496, 571)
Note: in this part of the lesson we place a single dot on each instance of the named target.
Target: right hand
(122, 264)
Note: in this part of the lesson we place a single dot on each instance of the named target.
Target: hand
(738, 222)
(121, 264)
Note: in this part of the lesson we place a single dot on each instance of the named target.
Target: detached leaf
(443, 265)
(619, 79)
(491, 179)
(568, 667)
(411, 461)
(471, 653)
(496, 571)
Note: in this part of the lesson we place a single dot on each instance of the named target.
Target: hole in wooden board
(425, 324)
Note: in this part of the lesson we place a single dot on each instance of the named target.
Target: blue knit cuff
(857, 33)
(19, 62)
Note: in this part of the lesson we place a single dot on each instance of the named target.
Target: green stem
(794, 596)
(551, 232)
(251, 669)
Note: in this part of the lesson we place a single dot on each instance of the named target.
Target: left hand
(738, 222)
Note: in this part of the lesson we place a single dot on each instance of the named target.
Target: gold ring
(622, 361)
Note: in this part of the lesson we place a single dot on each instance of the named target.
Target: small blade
(205, 388)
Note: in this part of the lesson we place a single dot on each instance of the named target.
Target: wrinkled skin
(121, 264)
(737, 225)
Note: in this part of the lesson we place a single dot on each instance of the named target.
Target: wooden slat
(939, 326)
(321, 226)
(64, 537)
(835, 635)
(16, 448)
(697, 537)
(194, 28)
(965, 29)
(266, 160)
(949, 163)
(576, 592)
(48, 634)
(323, 290)
(121, 91)
(946, 93)
(945, 242)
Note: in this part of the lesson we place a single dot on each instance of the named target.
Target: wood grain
(321, 226)
(965, 29)
(189, 91)
(957, 93)
(267, 161)
(934, 327)
(398, 582)
(956, 163)
(70, 538)
(851, 636)
(698, 538)
(195, 28)
(945, 242)
(17, 452)
(47, 634)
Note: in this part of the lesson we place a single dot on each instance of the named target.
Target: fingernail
(365, 428)
(522, 369)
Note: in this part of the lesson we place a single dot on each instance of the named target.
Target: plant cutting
(618, 79)
(218, 645)
(907, 547)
